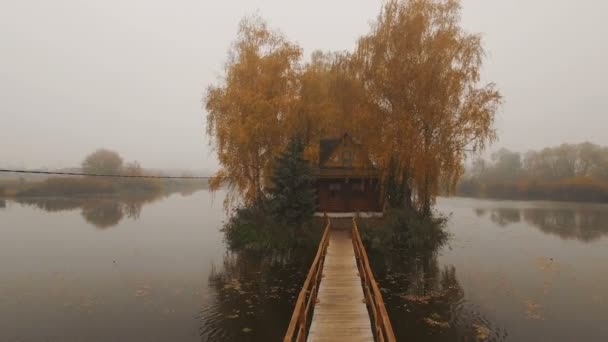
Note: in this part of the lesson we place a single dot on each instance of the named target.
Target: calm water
(158, 270)
(137, 269)
(513, 271)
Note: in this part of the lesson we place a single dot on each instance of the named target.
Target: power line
(97, 175)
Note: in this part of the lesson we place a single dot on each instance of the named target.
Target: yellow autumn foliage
(248, 113)
(410, 92)
(421, 72)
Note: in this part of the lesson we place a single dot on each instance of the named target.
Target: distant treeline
(99, 162)
(569, 172)
(83, 186)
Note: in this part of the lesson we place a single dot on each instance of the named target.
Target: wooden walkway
(340, 299)
(340, 313)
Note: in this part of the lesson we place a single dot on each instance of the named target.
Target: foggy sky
(129, 74)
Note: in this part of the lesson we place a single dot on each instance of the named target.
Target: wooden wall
(341, 195)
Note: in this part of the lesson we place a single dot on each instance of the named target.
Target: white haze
(129, 75)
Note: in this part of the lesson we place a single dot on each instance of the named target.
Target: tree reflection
(424, 300)
(52, 204)
(585, 224)
(254, 292)
(505, 216)
(101, 212)
(479, 212)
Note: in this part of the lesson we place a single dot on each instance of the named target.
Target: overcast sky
(129, 75)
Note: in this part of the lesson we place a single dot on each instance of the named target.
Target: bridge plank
(340, 313)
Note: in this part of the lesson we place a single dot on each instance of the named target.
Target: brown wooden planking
(340, 313)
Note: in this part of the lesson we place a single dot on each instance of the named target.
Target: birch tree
(421, 71)
(248, 111)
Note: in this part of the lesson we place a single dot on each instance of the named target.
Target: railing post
(307, 297)
(382, 326)
(302, 322)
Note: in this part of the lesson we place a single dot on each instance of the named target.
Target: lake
(512, 271)
(159, 270)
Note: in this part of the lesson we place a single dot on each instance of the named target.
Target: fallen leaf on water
(142, 291)
(532, 310)
(167, 311)
(435, 323)
(481, 332)
(234, 284)
(417, 299)
(547, 265)
(546, 288)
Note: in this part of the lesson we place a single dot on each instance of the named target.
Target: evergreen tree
(292, 195)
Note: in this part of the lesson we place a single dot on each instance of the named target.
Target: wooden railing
(298, 325)
(383, 330)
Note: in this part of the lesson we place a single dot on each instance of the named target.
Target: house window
(334, 188)
(358, 188)
(347, 159)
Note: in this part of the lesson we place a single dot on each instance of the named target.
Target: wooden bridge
(340, 300)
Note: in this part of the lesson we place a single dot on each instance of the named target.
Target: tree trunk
(407, 191)
(426, 196)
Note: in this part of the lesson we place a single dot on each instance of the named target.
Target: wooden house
(347, 181)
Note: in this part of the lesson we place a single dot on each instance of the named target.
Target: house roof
(328, 169)
(326, 148)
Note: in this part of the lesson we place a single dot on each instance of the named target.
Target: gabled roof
(331, 165)
(326, 148)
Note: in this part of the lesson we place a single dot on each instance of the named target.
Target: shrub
(405, 229)
(255, 229)
(252, 228)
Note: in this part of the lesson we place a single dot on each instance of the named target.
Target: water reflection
(582, 223)
(101, 212)
(147, 283)
(479, 212)
(506, 216)
(254, 292)
(426, 301)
